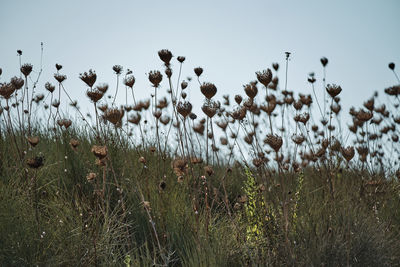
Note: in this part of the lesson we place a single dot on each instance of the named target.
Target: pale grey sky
(229, 39)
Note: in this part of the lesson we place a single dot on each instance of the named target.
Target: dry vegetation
(267, 178)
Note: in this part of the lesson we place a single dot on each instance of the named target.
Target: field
(266, 178)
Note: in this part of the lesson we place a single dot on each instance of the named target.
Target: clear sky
(229, 39)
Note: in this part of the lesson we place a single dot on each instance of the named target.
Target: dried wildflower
(74, 144)
(117, 69)
(333, 90)
(165, 55)
(181, 59)
(274, 141)
(324, 61)
(210, 107)
(364, 115)
(142, 160)
(391, 65)
(114, 115)
(19, 52)
(168, 72)
(129, 81)
(184, 108)
(102, 87)
(251, 89)
(58, 67)
(209, 170)
(239, 113)
(35, 162)
(369, 104)
(264, 77)
(88, 77)
(60, 77)
(33, 140)
(298, 139)
(199, 128)
(99, 151)
(363, 152)
(157, 113)
(155, 77)
(393, 91)
(198, 71)
(135, 119)
(208, 90)
(179, 166)
(275, 66)
(94, 95)
(336, 108)
(17, 82)
(184, 84)
(238, 99)
(91, 177)
(26, 69)
(6, 90)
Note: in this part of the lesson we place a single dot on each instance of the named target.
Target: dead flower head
(88, 77)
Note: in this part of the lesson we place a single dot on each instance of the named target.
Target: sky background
(229, 39)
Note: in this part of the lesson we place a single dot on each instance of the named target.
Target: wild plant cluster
(267, 177)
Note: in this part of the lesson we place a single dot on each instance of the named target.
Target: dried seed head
(142, 160)
(99, 151)
(91, 177)
(165, 55)
(155, 77)
(198, 71)
(35, 162)
(74, 144)
(26, 69)
(238, 99)
(364, 115)
(17, 82)
(184, 84)
(208, 90)
(179, 166)
(58, 67)
(19, 52)
(251, 89)
(348, 153)
(129, 81)
(210, 107)
(135, 119)
(264, 77)
(184, 108)
(239, 113)
(117, 69)
(275, 66)
(298, 139)
(209, 170)
(181, 59)
(94, 95)
(393, 91)
(324, 61)
(88, 77)
(114, 116)
(274, 141)
(33, 140)
(333, 90)
(6, 90)
(168, 72)
(391, 65)
(49, 87)
(60, 77)
(102, 87)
